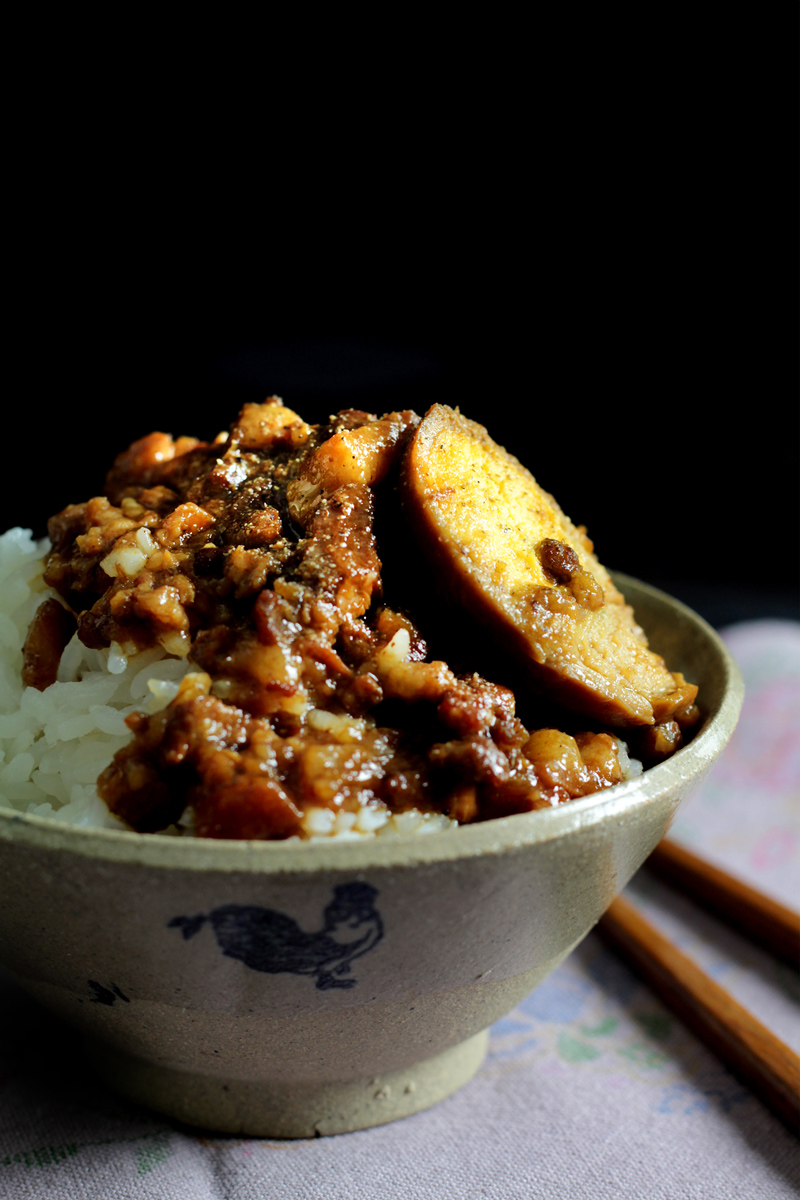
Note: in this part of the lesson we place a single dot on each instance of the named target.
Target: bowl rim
(499, 835)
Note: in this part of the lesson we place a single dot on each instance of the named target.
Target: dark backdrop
(614, 297)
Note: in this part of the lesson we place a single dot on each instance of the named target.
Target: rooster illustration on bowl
(270, 941)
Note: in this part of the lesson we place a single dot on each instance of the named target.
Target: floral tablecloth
(591, 1087)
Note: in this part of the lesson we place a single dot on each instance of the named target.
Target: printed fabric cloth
(591, 1088)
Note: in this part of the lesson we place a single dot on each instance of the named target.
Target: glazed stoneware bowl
(288, 990)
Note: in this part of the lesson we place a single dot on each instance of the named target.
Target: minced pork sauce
(255, 556)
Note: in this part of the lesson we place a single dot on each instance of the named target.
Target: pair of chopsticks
(766, 1064)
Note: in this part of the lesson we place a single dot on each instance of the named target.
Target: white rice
(55, 743)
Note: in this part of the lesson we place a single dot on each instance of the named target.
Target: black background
(602, 272)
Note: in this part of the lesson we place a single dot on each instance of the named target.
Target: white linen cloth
(591, 1087)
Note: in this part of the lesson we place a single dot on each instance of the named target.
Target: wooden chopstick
(749, 911)
(762, 1061)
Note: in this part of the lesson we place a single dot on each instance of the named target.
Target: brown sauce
(255, 556)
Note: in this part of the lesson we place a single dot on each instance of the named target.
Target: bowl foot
(289, 1110)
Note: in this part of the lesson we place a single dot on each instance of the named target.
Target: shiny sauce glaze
(254, 556)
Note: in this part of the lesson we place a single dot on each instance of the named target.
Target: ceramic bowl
(289, 990)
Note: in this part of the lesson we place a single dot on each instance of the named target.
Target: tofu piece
(506, 551)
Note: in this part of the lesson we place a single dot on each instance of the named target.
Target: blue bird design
(269, 941)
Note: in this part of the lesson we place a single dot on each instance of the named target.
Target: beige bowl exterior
(460, 927)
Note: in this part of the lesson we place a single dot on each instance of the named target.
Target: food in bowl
(208, 649)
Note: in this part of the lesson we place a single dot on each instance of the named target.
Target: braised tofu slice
(508, 553)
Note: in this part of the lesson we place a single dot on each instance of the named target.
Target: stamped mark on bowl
(104, 995)
(270, 941)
